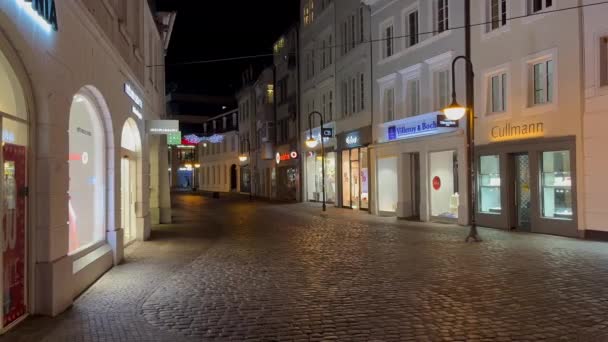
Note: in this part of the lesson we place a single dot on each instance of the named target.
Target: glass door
(346, 186)
(522, 191)
(128, 176)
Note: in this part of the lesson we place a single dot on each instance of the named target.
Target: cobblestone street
(232, 270)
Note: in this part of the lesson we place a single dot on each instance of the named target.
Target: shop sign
(328, 132)
(360, 137)
(132, 94)
(510, 131)
(443, 121)
(420, 125)
(286, 156)
(163, 126)
(43, 11)
(174, 138)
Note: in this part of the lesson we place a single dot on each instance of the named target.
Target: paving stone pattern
(236, 271)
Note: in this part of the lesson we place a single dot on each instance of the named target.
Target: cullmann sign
(42, 9)
(420, 125)
(509, 131)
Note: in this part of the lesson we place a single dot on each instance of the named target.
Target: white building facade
(529, 142)
(219, 154)
(418, 169)
(82, 177)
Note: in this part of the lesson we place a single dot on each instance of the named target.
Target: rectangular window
(557, 185)
(489, 184)
(323, 55)
(442, 89)
(331, 50)
(441, 16)
(344, 38)
(353, 34)
(412, 27)
(444, 196)
(362, 91)
(539, 5)
(331, 106)
(353, 90)
(324, 105)
(498, 14)
(389, 104)
(413, 97)
(344, 99)
(498, 93)
(361, 26)
(388, 46)
(542, 74)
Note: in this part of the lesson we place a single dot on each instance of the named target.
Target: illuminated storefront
(313, 171)
(287, 174)
(354, 167)
(525, 181)
(417, 170)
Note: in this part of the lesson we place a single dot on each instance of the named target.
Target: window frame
(384, 46)
(529, 107)
(437, 29)
(406, 13)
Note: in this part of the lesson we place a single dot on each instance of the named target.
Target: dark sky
(218, 29)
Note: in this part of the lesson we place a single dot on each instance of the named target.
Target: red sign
(436, 183)
(13, 252)
(286, 156)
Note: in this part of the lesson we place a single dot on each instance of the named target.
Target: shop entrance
(521, 211)
(128, 198)
(355, 179)
(411, 169)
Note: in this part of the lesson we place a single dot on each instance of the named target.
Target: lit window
(270, 93)
(557, 185)
(488, 179)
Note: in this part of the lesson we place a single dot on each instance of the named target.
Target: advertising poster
(14, 247)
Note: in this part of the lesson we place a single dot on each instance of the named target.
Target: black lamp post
(244, 158)
(456, 112)
(312, 143)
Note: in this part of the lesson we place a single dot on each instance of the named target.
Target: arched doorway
(129, 177)
(14, 125)
(233, 177)
(87, 171)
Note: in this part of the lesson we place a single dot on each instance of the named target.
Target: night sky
(218, 29)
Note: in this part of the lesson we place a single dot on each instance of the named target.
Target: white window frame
(412, 73)
(487, 91)
(545, 8)
(386, 83)
(435, 16)
(405, 14)
(390, 22)
(487, 9)
(600, 42)
(529, 108)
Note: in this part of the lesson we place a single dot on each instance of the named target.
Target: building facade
(417, 167)
(218, 153)
(246, 100)
(529, 127)
(83, 178)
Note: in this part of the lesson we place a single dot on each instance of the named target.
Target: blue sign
(404, 131)
(415, 126)
(392, 133)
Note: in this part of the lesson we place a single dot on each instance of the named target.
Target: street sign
(327, 133)
(443, 121)
(174, 138)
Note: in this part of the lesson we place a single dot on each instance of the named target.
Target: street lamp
(243, 158)
(311, 142)
(456, 112)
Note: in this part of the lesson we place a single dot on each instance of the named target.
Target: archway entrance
(13, 197)
(233, 177)
(130, 152)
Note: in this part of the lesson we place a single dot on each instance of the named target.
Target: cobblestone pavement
(232, 270)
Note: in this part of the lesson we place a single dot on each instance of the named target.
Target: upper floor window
(536, 6)
(361, 26)
(309, 12)
(441, 81)
(413, 97)
(497, 14)
(441, 16)
(270, 93)
(388, 41)
(542, 82)
(331, 49)
(361, 91)
(603, 61)
(412, 28)
(389, 104)
(498, 93)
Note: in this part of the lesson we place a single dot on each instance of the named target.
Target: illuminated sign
(43, 11)
(420, 125)
(133, 95)
(443, 121)
(509, 131)
(286, 156)
(195, 139)
(137, 113)
(163, 126)
(174, 138)
(328, 132)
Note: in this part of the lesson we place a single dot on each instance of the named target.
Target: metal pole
(322, 152)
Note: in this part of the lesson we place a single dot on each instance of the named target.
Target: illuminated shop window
(87, 176)
(444, 184)
(489, 185)
(556, 185)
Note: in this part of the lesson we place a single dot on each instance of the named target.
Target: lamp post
(311, 142)
(456, 112)
(243, 158)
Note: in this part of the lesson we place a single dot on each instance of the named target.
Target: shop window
(556, 185)
(315, 177)
(87, 166)
(387, 185)
(489, 185)
(444, 185)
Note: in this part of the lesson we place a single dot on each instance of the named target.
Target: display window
(556, 192)
(387, 184)
(488, 179)
(444, 185)
(287, 181)
(314, 172)
(355, 178)
(87, 164)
